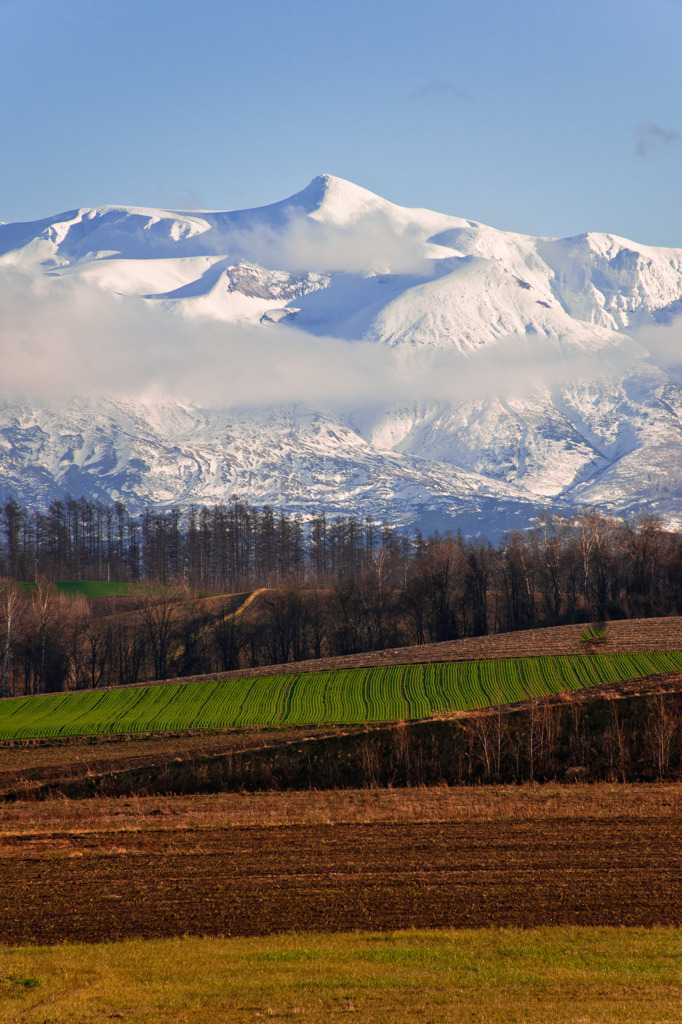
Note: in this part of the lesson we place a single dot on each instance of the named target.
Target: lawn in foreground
(538, 976)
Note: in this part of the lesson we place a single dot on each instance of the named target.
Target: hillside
(624, 637)
(531, 714)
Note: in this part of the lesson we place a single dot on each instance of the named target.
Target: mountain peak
(492, 378)
(336, 200)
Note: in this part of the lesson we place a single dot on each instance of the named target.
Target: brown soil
(166, 874)
(30, 762)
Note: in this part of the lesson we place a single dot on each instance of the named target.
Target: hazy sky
(534, 115)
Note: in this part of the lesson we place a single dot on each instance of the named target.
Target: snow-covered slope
(515, 377)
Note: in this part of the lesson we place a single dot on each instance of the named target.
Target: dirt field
(37, 761)
(520, 856)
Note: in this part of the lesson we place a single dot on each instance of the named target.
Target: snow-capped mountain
(493, 374)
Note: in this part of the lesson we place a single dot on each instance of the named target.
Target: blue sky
(533, 115)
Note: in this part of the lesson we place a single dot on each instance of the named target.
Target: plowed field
(54, 761)
(250, 880)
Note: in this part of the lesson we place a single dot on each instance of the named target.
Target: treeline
(224, 547)
(335, 588)
(612, 566)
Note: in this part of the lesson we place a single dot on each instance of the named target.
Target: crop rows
(347, 696)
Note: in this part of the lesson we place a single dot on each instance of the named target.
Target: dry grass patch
(436, 803)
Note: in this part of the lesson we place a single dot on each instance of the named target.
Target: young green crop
(344, 697)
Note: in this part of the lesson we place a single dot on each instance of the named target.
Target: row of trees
(549, 572)
(335, 588)
(233, 546)
(52, 642)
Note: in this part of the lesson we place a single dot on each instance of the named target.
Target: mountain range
(335, 352)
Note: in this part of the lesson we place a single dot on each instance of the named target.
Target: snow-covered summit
(536, 390)
(334, 225)
(335, 199)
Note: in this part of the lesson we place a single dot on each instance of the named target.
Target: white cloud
(439, 87)
(663, 344)
(370, 240)
(63, 337)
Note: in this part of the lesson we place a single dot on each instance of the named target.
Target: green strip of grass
(99, 588)
(345, 697)
(538, 976)
(90, 588)
(94, 588)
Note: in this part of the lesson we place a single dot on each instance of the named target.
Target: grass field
(342, 697)
(137, 814)
(91, 588)
(100, 588)
(538, 976)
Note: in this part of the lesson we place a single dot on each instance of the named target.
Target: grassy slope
(539, 976)
(123, 820)
(342, 697)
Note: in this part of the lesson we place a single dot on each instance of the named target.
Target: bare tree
(158, 611)
(662, 724)
(43, 604)
(11, 604)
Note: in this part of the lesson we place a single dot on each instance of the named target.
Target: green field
(477, 976)
(91, 588)
(100, 588)
(344, 697)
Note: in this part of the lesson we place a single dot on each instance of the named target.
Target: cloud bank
(62, 337)
(663, 344)
(304, 243)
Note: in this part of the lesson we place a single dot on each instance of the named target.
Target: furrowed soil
(268, 863)
(28, 763)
